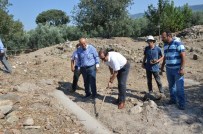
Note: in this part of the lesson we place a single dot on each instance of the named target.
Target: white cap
(150, 37)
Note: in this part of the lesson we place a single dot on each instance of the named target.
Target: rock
(27, 87)
(4, 91)
(6, 106)
(195, 56)
(153, 96)
(15, 131)
(32, 127)
(139, 103)
(47, 82)
(10, 97)
(28, 122)
(12, 117)
(152, 104)
(1, 115)
(135, 110)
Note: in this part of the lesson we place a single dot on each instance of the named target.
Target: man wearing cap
(119, 67)
(152, 57)
(174, 58)
(3, 58)
(88, 61)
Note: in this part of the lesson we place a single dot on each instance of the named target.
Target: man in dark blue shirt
(152, 57)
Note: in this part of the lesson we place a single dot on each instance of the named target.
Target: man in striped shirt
(174, 58)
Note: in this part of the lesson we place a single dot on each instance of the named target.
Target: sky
(27, 10)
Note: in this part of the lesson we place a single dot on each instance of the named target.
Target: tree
(101, 15)
(4, 5)
(167, 16)
(53, 17)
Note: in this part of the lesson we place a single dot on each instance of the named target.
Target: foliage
(100, 17)
(167, 16)
(53, 17)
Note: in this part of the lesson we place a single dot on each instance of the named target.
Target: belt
(87, 66)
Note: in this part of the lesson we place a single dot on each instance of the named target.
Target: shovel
(97, 113)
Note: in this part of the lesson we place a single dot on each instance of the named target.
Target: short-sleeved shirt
(172, 54)
(152, 54)
(75, 57)
(116, 61)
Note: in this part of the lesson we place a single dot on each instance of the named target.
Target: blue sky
(27, 10)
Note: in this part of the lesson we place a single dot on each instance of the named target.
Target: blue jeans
(89, 77)
(5, 63)
(176, 86)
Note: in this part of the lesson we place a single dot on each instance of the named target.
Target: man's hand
(181, 72)
(109, 85)
(143, 66)
(72, 69)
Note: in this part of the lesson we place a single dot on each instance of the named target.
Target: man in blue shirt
(3, 58)
(174, 58)
(88, 60)
(152, 57)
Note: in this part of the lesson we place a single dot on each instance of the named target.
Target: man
(119, 67)
(174, 58)
(152, 57)
(75, 68)
(88, 60)
(3, 58)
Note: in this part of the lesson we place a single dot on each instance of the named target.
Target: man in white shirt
(75, 69)
(119, 67)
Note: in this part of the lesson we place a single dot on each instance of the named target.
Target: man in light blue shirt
(88, 61)
(174, 58)
(3, 58)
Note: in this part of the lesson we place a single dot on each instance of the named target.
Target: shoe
(171, 102)
(121, 105)
(86, 96)
(181, 107)
(115, 101)
(71, 91)
(151, 91)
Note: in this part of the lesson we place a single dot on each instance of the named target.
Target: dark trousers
(122, 79)
(76, 78)
(89, 77)
(6, 64)
(157, 79)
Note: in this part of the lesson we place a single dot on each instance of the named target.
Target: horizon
(26, 11)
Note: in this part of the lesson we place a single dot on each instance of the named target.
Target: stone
(16, 131)
(1, 115)
(6, 106)
(195, 56)
(135, 110)
(27, 87)
(152, 104)
(28, 122)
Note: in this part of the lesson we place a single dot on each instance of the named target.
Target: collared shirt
(87, 57)
(116, 61)
(75, 57)
(1, 47)
(172, 54)
(152, 54)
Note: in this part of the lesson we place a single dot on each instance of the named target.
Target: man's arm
(72, 65)
(143, 62)
(183, 59)
(163, 64)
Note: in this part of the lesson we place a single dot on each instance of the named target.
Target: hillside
(28, 106)
(193, 7)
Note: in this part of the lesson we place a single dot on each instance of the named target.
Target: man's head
(78, 45)
(167, 37)
(83, 43)
(150, 40)
(103, 55)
